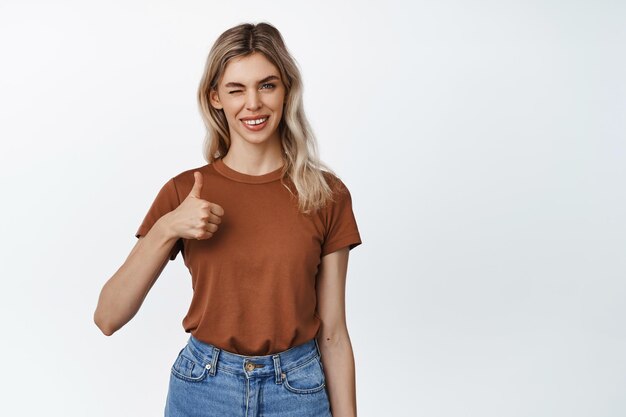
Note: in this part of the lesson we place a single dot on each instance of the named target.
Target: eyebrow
(268, 78)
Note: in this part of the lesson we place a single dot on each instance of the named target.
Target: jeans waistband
(253, 366)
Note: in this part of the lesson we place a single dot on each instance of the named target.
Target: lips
(260, 116)
(255, 127)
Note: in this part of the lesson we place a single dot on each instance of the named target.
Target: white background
(484, 146)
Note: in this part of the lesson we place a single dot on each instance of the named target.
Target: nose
(253, 102)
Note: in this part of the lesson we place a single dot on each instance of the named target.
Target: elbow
(106, 331)
(105, 328)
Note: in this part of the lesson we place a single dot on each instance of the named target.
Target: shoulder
(188, 173)
(337, 186)
(181, 183)
(333, 181)
(185, 179)
(340, 194)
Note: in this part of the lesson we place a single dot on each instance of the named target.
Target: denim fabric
(209, 382)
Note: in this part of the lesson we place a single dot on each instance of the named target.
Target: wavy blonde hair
(302, 167)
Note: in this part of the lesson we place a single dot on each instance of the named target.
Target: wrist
(164, 228)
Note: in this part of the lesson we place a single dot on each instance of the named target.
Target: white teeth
(255, 122)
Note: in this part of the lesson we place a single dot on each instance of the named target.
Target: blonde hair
(302, 167)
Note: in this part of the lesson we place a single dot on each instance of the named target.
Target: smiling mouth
(255, 125)
(254, 122)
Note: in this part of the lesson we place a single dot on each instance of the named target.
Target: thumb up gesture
(196, 218)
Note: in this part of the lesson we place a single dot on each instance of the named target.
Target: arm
(124, 292)
(333, 338)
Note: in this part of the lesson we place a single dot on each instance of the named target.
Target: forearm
(339, 368)
(122, 295)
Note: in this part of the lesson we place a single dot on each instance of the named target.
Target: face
(251, 88)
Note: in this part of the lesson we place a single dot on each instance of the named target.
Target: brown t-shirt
(254, 280)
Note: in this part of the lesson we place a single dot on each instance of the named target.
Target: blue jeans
(206, 381)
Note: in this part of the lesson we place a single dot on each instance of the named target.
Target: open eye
(270, 84)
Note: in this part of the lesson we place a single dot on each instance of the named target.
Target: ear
(214, 98)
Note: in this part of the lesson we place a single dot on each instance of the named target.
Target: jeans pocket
(306, 378)
(189, 368)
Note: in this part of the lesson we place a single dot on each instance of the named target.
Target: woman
(265, 233)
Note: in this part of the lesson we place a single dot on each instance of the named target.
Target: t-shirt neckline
(230, 173)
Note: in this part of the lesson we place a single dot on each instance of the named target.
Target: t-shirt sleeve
(340, 224)
(166, 200)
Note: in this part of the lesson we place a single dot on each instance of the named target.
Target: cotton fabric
(254, 280)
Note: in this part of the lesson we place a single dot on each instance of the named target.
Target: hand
(195, 218)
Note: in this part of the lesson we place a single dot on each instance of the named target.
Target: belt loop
(317, 348)
(216, 354)
(277, 369)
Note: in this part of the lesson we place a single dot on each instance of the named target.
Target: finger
(213, 218)
(217, 209)
(197, 185)
(205, 235)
